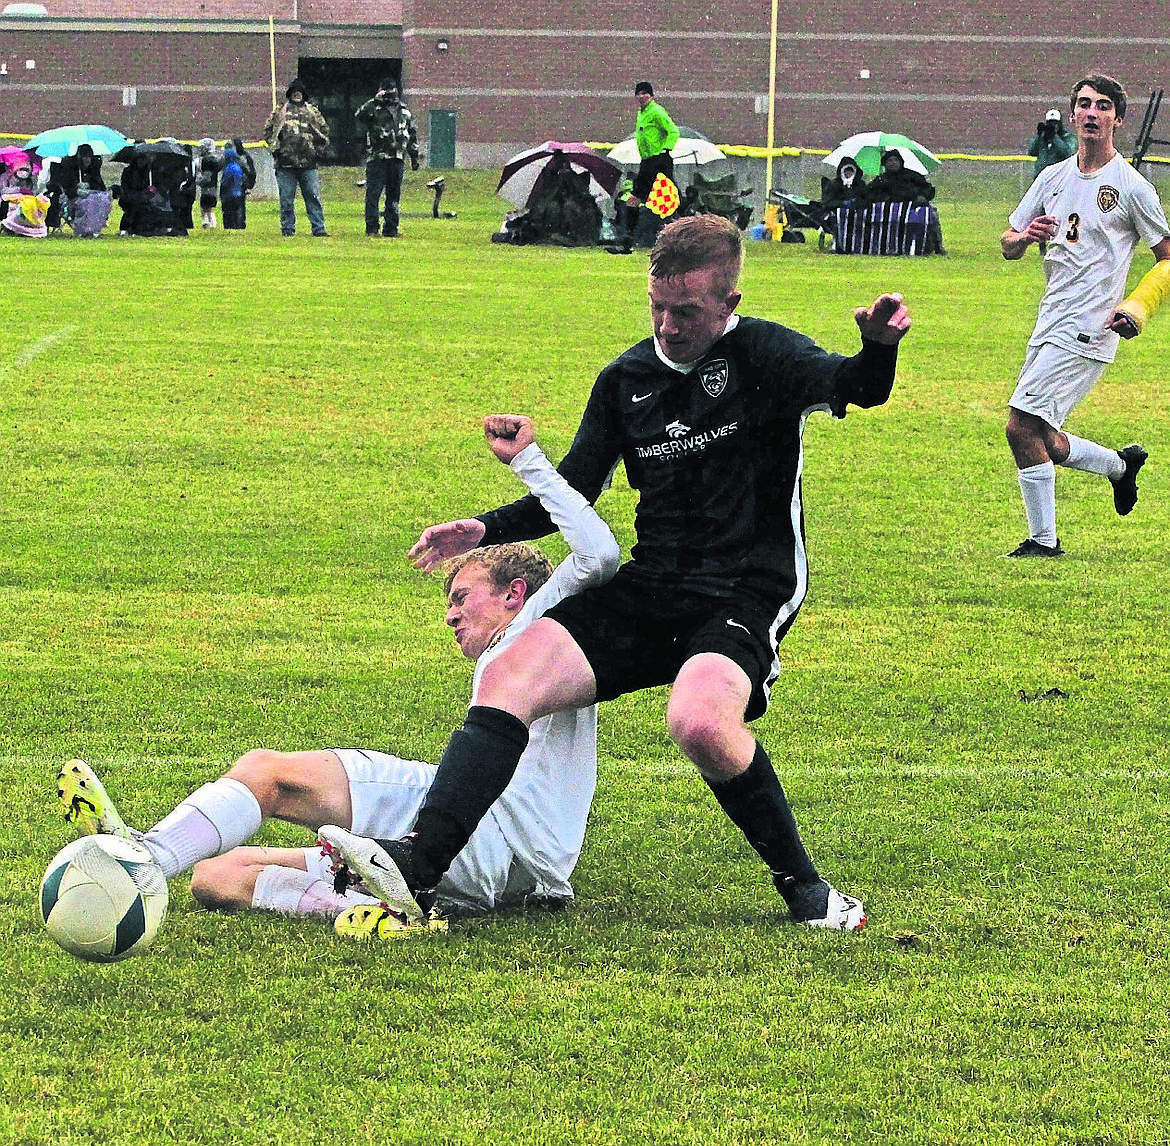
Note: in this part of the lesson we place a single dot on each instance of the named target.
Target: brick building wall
(971, 77)
(968, 77)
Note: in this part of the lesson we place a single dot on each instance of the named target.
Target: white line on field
(22, 765)
(35, 350)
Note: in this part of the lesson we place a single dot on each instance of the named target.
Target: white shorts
(1052, 381)
(387, 792)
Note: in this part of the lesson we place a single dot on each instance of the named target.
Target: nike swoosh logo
(737, 625)
(641, 397)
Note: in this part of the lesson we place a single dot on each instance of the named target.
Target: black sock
(478, 764)
(756, 804)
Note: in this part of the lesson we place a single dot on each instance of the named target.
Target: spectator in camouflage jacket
(298, 136)
(391, 138)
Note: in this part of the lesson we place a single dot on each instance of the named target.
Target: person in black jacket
(71, 177)
(847, 186)
(896, 183)
(707, 417)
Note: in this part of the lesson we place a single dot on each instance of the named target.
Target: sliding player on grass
(707, 417)
(1091, 210)
(527, 845)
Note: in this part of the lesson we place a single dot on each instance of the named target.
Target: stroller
(799, 212)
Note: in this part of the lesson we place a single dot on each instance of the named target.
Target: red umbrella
(525, 174)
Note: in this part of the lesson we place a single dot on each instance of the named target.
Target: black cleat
(1030, 548)
(1125, 487)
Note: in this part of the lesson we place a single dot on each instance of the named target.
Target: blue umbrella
(61, 141)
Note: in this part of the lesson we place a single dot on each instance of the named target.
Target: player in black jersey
(707, 416)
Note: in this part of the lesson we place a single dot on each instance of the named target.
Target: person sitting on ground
(523, 853)
(18, 177)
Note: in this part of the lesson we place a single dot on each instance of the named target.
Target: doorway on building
(339, 88)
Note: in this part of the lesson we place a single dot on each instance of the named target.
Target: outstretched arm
(507, 435)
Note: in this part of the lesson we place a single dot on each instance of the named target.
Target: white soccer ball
(103, 898)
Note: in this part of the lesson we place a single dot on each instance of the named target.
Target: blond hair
(504, 564)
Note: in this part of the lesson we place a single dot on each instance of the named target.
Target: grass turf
(216, 452)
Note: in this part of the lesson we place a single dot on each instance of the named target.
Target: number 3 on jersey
(1073, 233)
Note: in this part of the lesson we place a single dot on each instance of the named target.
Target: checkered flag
(663, 200)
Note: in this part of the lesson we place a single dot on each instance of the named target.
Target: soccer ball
(103, 898)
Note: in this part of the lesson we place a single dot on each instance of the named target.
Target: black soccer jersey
(715, 454)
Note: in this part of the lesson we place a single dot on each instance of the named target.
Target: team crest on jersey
(1108, 198)
(713, 375)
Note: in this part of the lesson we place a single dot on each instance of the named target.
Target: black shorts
(635, 636)
(649, 170)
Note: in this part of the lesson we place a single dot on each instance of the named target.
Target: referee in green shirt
(656, 135)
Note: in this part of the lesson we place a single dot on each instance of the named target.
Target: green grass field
(215, 453)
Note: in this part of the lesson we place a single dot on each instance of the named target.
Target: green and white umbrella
(866, 147)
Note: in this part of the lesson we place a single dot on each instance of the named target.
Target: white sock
(1092, 458)
(290, 891)
(1038, 487)
(212, 820)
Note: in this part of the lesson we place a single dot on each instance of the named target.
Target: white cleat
(844, 913)
(371, 863)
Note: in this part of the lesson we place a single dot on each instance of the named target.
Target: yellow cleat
(377, 921)
(86, 803)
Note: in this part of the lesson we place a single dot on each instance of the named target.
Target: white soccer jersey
(543, 811)
(1102, 217)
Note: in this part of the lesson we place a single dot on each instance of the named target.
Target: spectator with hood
(298, 137)
(847, 185)
(896, 183)
(231, 191)
(391, 140)
(207, 168)
(248, 166)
